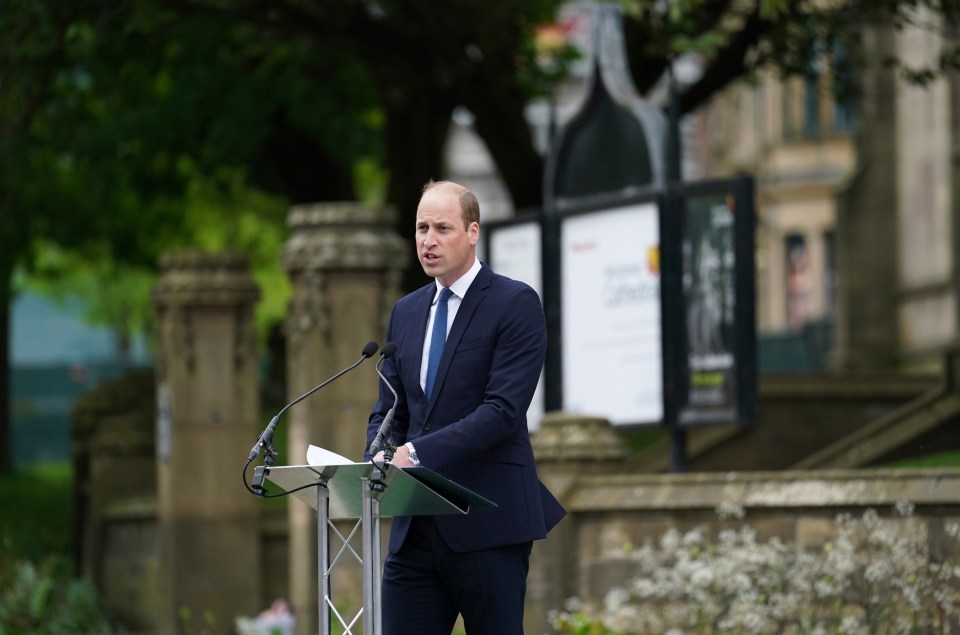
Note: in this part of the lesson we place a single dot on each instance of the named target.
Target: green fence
(804, 351)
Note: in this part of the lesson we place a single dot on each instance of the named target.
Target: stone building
(856, 199)
(857, 202)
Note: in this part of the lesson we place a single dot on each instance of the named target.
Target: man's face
(445, 247)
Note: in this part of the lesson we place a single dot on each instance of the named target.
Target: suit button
(428, 426)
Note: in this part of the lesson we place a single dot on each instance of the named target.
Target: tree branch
(729, 64)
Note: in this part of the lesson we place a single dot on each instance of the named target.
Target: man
(466, 419)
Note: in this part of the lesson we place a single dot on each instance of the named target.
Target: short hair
(469, 205)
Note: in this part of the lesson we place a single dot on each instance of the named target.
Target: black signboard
(717, 224)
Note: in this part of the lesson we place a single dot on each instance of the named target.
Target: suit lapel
(419, 334)
(475, 294)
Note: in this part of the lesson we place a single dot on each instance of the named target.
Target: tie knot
(445, 294)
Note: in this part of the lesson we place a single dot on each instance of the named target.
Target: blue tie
(437, 340)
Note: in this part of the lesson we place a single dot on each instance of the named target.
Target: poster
(709, 292)
(610, 290)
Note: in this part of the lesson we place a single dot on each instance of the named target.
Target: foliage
(114, 110)
(113, 295)
(221, 214)
(34, 503)
(937, 459)
(225, 213)
(734, 39)
(43, 599)
(877, 575)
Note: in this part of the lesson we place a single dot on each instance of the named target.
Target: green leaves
(42, 598)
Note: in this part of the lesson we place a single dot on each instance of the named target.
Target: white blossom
(875, 577)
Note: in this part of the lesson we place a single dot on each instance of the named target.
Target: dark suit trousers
(426, 584)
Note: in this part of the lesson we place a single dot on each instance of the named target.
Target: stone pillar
(208, 411)
(345, 264)
(867, 336)
(567, 447)
(927, 317)
(114, 475)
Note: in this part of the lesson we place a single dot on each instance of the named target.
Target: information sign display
(610, 314)
(717, 290)
(514, 251)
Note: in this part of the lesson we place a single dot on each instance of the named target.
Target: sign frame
(715, 356)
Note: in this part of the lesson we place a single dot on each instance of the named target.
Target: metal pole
(674, 165)
(674, 145)
(372, 573)
(323, 558)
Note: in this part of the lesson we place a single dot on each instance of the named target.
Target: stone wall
(609, 509)
(582, 461)
(114, 502)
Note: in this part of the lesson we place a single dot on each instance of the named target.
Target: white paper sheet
(320, 456)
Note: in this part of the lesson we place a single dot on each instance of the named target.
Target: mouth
(430, 258)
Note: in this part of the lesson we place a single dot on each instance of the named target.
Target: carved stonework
(308, 309)
(345, 235)
(177, 340)
(195, 278)
(392, 290)
(565, 437)
(199, 279)
(246, 349)
(329, 237)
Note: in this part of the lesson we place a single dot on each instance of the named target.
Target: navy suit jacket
(473, 430)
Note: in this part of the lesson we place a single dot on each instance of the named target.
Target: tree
(111, 108)
(423, 61)
(112, 111)
(737, 38)
(36, 47)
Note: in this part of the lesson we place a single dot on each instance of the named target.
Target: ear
(474, 233)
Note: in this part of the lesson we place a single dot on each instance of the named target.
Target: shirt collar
(459, 288)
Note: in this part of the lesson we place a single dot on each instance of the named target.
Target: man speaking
(470, 347)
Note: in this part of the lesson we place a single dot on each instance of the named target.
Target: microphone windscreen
(388, 349)
(370, 348)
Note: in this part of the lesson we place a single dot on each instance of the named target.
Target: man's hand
(401, 458)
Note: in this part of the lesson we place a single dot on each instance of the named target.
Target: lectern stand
(362, 492)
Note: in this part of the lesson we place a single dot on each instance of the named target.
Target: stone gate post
(207, 411)
(567, 447)
(345, 263)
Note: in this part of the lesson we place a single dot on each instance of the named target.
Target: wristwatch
(413, 453)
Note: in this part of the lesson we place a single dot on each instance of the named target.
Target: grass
(940, 459)
(36, 510)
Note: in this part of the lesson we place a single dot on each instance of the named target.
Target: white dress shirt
(459, 289)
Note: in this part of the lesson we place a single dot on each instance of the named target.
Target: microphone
(384, 432)
(266, 439)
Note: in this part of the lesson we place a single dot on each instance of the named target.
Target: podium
(366, 493)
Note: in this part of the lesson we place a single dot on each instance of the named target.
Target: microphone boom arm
(265, 441)
(383, 433)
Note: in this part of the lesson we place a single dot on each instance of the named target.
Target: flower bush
(875, 576)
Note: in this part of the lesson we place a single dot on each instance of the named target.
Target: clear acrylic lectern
(361, 491)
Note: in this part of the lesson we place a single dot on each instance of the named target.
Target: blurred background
(131, 128)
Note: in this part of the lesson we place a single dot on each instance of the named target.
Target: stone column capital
(342, 235)
(574, 438)
(197, 278)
